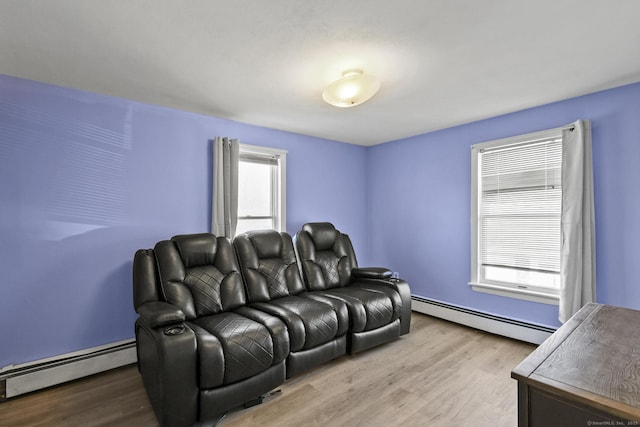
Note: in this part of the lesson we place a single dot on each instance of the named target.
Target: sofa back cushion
(268, 263)
(199, 273)
(326, 256)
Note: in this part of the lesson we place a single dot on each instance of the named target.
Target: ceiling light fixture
(352, 89)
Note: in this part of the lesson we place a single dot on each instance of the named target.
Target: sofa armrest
(158, 314)
(167, 360)
(371, 273)
(403, 289)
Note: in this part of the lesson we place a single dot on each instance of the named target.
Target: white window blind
(519, 199)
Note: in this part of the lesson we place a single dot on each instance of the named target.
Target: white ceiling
(265, 62)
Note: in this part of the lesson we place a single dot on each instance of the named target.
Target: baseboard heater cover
(523, 331)
(28, 377)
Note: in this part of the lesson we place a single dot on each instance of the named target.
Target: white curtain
(224, 209)
(577, 259)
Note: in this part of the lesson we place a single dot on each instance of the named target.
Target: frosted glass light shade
(352, 89)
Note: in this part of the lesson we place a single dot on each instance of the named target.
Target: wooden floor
(440, 374)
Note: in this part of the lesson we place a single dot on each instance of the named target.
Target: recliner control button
(174, 330)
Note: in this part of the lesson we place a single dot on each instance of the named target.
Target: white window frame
(512, 290)
(279, 182)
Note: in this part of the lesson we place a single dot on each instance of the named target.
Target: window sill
(523, 294)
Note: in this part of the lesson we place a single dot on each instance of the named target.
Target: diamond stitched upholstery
(329, 264)
(273, 269)
(234, 344)
(389, 292)
(379, 309)
(323, 248)
(310, 322)
(319, 319)
(204, 282)
(248, 346)
(199, 289)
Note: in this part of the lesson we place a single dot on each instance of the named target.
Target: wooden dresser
(586, 374)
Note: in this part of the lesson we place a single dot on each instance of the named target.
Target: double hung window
(516, 209)
(261, 189)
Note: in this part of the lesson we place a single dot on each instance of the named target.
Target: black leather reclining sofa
(220, 324)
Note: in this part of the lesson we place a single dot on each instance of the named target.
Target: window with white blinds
(517, 200)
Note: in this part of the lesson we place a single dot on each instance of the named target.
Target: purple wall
(87, 179)
(419, 202)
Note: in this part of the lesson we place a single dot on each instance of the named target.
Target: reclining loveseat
(221, 324)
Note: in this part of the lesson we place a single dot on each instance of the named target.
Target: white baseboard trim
(518, 330)
(27, 377)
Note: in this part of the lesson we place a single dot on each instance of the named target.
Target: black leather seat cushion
(390, 293)
(231, 348)
(310, 322)
(368, 309)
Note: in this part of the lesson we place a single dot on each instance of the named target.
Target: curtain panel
(224, 209)
(577, 257)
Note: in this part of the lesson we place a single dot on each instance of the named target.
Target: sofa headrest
(323, 234)
(196, 249)
(267, 243)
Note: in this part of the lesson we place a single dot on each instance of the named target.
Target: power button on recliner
(174, 330)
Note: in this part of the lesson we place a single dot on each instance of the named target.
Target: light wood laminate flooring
(440, 374)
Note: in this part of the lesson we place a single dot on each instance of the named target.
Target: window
(516, 207)
(261, 189)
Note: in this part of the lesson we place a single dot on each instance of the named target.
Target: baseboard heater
(27, 377)
(515, 329)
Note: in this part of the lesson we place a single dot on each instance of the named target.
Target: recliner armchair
(201, 351)
(317, 325)
(379, 305)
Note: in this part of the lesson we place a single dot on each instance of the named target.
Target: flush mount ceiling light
(352, 89)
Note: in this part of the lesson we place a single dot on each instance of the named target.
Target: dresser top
(594, 358)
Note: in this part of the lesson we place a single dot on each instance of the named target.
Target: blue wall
(419, 202)
(86, 180)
